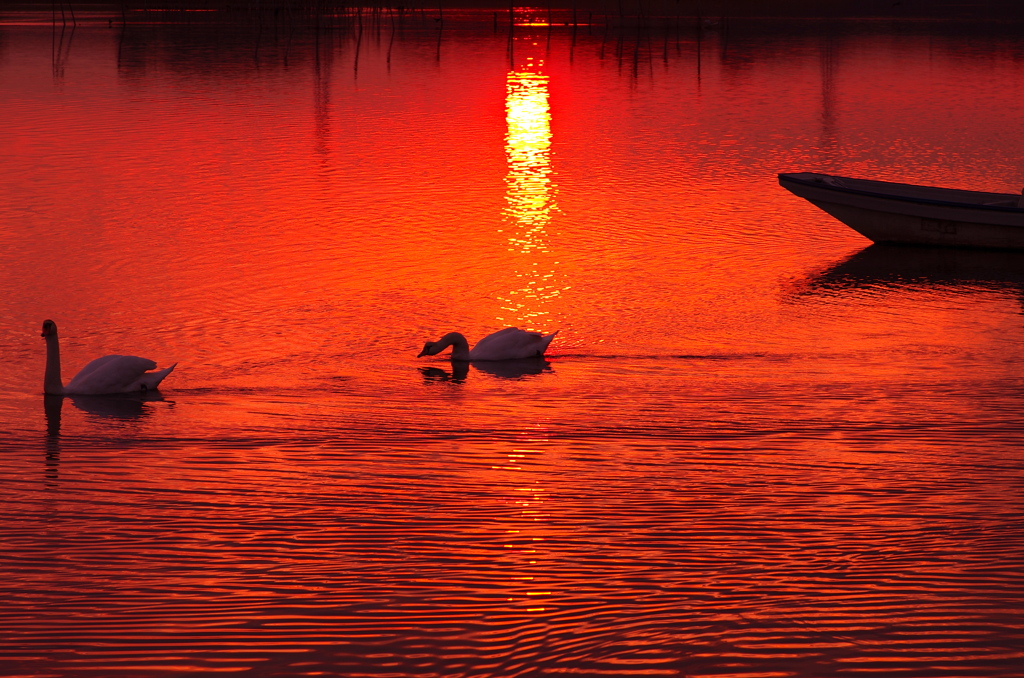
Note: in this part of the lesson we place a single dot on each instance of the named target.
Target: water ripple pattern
(759, 445)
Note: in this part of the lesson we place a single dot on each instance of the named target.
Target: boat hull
(926, 216)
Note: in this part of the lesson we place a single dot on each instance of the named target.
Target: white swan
(109, 374)
(510, 343)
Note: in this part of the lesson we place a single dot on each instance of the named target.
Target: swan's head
(430, 348)
(49, 329)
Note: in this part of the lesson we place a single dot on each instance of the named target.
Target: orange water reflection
(768, 447)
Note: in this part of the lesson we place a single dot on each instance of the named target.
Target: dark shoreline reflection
(228, 42)
(503, 369)
(896, 266)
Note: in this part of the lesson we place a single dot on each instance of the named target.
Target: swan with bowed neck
(109, 374)
(510, 343)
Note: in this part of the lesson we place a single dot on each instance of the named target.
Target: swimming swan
(109, 374)
(510, 343)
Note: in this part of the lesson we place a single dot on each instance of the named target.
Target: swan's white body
(510, 343)
(109, 374)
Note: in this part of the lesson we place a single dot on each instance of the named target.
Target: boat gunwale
(792, 176)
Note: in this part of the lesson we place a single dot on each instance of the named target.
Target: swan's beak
(426, 349)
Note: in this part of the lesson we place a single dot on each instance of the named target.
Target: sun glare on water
(530, 195)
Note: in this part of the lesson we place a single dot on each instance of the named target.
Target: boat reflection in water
(900, 266)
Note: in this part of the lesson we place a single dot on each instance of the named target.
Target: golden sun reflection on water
(530, 194)
(527, 530)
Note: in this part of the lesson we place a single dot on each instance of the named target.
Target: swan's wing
(502, 345)
(511, 343)
(110, 374)
(101, 363)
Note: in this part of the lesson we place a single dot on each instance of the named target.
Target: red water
(757, 447)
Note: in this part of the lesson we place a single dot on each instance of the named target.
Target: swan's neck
(51, 380)
(460, 347)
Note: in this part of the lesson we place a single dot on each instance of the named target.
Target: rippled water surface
(758, 446)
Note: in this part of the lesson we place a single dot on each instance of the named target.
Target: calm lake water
(758, 445)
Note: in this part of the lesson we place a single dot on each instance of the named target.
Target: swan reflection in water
(502, 369)
(123, 406)
(119, 407)
(52, 405)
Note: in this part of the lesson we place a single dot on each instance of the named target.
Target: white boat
(883, 211)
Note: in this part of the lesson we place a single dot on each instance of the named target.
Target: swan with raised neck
(106, 375)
